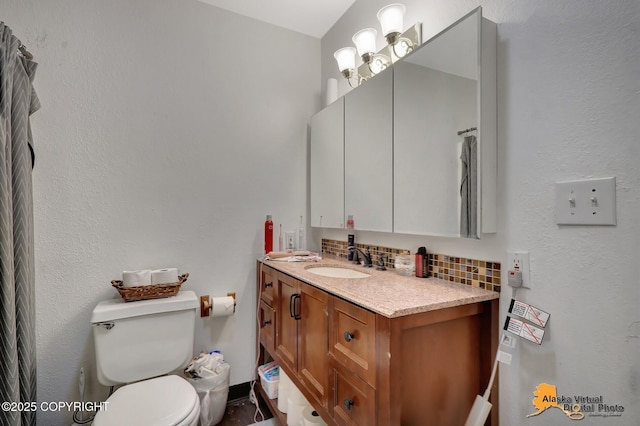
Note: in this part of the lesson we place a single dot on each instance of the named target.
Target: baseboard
(239, 391)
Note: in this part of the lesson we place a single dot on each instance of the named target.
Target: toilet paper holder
(206, 305)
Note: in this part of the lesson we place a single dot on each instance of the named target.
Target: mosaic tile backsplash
(476, 273)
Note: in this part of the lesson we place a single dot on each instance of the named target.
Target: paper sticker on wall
(524, 330)
(529, 312)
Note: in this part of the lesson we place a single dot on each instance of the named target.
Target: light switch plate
(586, 202)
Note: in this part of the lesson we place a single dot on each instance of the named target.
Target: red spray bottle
(268, 235)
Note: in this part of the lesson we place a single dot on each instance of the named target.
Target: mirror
(437, 171)
(368, 150)
(327, 166)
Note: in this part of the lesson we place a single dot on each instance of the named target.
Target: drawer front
(354, 400)
(267, 284)
(353, 339)
(267, 326)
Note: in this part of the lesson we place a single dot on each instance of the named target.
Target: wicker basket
(154, 291)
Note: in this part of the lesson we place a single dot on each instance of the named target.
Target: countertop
(386, 292)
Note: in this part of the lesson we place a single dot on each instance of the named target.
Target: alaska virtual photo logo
(574, 407)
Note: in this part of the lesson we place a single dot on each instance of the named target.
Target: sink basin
(333, 271)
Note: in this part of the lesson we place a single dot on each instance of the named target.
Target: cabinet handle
(294, 307)
(349, 336)
(266, 323)
(267, 285)
(348, 403)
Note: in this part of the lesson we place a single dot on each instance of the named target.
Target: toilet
(137, 345)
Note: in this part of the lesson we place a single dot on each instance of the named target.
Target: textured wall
(568, 108)
(160, 142)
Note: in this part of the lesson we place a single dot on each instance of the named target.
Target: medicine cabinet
(401, 160)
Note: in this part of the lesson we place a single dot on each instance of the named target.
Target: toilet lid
(165, 401)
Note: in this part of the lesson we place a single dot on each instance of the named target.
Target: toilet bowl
(163, 401)
(138, 345)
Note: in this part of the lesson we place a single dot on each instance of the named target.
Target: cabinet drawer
(354, 400)
(353, 339)
(267, 326)
(268, 279)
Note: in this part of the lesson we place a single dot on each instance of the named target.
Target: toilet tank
(143, 339)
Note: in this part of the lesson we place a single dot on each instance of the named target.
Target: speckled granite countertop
(386, 292)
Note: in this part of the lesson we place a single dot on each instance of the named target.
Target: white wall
(161, 141)
(568, 108)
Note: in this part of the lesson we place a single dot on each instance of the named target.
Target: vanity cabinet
(359, 367)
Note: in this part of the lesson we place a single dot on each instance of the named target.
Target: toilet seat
(162, 401)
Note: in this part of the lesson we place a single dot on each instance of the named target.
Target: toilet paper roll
(284, 379)
(136, 278)
(310, 417)
(294, 412)
(222, 306)
(164, 276)
(283, 396)
(331, 93)
(296, 396)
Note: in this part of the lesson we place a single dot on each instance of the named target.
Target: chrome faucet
(366, 256)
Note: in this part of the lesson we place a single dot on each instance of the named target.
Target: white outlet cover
(519, 261)
(586, 202)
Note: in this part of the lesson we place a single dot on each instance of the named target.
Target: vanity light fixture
(399, 45)
(346, 58)
(391, 19)
(365, 41)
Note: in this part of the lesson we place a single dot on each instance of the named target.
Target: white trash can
(212, 386)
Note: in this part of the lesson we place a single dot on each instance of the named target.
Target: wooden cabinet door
(314, 342)
(287, 302)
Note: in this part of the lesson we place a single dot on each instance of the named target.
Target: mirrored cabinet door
(368, 154)
(327, 166)
(435, 96)
(444, 172)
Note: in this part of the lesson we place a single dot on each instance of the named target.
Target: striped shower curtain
(17, 299)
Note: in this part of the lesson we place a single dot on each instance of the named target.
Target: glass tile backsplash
(473, 272)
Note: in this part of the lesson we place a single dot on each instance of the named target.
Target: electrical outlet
(290, 240)
(519, 261)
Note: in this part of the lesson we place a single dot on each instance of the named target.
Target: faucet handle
(381, 262)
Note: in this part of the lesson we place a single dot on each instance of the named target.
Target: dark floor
(241, 411)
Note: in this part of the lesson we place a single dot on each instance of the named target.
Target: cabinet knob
(348, 403)
(348, 336)
(266, 323)
(267, 285)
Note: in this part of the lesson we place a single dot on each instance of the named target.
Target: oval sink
(336, 272)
